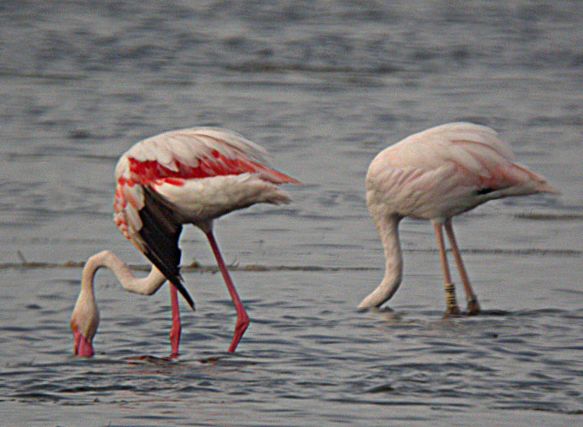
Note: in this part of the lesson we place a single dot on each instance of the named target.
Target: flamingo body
(187, 176)
(445, 171)
(437, 174)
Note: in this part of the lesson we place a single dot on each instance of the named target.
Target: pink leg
(176, 326)
(473, 305)
(242, 318)
(451, 303)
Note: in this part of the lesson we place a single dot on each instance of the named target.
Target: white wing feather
(188, 145)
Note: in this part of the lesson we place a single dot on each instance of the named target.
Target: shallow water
(324, 86)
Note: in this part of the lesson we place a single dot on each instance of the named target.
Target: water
(324, 86)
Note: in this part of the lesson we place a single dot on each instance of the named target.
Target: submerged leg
(176, 330)
(242, 317)
(472, 299)
(451, 303)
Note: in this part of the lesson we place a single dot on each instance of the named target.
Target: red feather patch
(150, 171)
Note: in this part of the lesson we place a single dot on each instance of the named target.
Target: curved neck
(85, 316)
(145, 286)
(388, 228)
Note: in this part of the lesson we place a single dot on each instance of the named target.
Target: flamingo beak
(82, 346)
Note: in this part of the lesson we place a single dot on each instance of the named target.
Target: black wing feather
(160, 233)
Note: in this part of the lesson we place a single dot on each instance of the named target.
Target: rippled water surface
(324, 86)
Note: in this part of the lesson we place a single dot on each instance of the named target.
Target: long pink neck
(388, 228)
(145, 286)
(85, 316)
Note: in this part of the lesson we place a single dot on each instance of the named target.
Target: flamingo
(437, 174)
(187, 176)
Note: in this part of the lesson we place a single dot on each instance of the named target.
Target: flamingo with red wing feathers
(188, 176)
(435, 175)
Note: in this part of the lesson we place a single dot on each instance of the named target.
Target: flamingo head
(84, 323)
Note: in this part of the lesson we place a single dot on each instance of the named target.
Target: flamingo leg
(451, 303)
(176, 330)
(242, 317)
(472, 299)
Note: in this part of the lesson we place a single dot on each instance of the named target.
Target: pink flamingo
(188, 176)
(435, 175)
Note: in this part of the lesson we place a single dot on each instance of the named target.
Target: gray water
(323, 86)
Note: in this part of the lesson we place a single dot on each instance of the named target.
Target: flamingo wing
(474, 154)
(198, 153)
(473, 147)
(160, 234)
(151, 227)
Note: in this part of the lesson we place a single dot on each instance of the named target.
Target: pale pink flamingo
(435, 175)
(188, 176)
